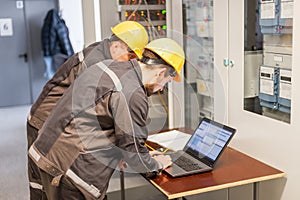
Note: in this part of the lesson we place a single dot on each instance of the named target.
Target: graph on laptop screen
(208, 140)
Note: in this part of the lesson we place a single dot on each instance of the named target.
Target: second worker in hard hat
(100, 120)
(127, 41)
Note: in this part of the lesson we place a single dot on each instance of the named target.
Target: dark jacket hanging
(55, 36)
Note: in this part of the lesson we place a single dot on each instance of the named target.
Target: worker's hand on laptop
(155, 153)
(165, 161)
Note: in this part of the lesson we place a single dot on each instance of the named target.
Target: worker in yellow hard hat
(166, 53)
(127, 42)
(101, 120)
(133, 35)
(170, 52)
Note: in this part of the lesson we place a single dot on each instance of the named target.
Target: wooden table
(232, 169)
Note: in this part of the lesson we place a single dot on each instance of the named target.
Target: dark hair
(113, 37)
(150, 54)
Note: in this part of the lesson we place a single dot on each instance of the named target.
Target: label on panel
(266, 80)
(286, 10)
(266, 87)
(285, 84)
(268, 10)
(204, 28)
(19, 4)
(6, 27)
(278, 58)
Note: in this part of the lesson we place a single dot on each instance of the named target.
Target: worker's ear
(161, 72)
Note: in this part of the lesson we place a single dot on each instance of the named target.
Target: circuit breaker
(269, 12)
(285, 87)
(276, 16)
(268, 87)
(285, 23)
(275, 88)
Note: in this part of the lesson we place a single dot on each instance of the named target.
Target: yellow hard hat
(133, 34)
(170, 52)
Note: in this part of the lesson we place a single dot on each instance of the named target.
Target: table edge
(218, 187)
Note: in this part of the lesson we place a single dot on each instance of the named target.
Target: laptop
(202, 150)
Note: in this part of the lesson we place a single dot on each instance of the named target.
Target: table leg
(122, 185)
(255, 190)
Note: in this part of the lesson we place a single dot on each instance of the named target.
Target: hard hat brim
(177, 78)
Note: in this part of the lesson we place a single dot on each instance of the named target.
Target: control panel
(150, 13)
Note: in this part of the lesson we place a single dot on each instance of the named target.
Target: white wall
(91, 21)
(72, 14)
(98, 17)
(109, 17)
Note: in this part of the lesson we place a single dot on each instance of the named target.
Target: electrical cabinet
(268, 87)
(276, 22)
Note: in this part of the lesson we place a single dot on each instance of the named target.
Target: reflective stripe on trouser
(89, 188)
(36, 185)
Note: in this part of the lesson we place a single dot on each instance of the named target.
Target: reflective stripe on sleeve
(89, 188)
(80, 56)
(112, 75)
(29, 117)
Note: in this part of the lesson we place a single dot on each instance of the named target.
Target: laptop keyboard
(186, 164)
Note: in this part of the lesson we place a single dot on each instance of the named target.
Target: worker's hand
(155, 153)
(165, 161)
(122, 165)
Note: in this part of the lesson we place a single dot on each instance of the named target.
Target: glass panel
(198, 44)
(268, 58)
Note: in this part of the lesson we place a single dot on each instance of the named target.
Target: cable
(163, 102)
(156, 34)
(134, 11)
(153, 33)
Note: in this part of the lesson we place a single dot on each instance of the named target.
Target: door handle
(24, 56)
(227, 62)
(231, 63)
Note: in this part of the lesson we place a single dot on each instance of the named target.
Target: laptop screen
(209, 140)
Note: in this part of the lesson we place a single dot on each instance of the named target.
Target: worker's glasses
(130, 50)
(172, 72)
(150, 61)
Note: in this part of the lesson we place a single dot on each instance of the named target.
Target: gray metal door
(14, 75)
(35, 12)
(21, 58)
